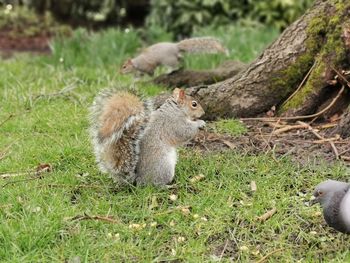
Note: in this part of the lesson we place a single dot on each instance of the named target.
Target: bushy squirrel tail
(117, 122)
(202, 45)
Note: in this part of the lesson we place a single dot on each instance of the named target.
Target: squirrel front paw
(201, 124)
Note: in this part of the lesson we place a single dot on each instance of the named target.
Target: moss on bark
(324, 47)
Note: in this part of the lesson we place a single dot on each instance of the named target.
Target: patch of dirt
(301, 144)
(9, 44)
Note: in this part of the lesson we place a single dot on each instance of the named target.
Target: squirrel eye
(194, 104)
(319, 193)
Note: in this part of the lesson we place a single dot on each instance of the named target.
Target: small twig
(335, 150)
(300, 117)
(312, 130)
(326, 140)
(345, 151)
(341, 76)
(19, 181)
(96, 217)
(326, 126)
(267, 215)
(73, 186)
(4, 152)
(322, 138)
(62, 93)
(9, 117)
(288, 128)
(36, 174)
(8, 175)
(272, 132)
(268, 255)
(300, 85)
(267, 143)
(276, 124)
(40, 169)
(345, 158)
(223, 250)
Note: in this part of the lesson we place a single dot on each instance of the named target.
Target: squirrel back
(117, 121)
(170, 54)
(201, 45)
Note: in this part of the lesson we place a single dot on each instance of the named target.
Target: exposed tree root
(190, 78)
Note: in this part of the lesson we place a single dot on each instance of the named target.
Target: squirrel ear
(179, 94)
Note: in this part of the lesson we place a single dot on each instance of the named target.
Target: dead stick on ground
(19, 181)
(301, 84)
(73, 186)
(267, 215)
(311, 129)
(326, 140)
(223, 250)
(62, 92)
(8, 175)
(344, 152)
(326, 126)
(9, 117)
(97, 217)
(335, 151)
(341, 76)
(4, 152)
(300, 117)
(272, 132)
(288, 128)
(268, 255)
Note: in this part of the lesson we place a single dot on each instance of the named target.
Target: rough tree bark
(307, 50)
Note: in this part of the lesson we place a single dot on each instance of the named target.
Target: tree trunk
(299, 62)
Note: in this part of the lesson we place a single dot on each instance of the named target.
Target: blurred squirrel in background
(169, 54)
(137, 144)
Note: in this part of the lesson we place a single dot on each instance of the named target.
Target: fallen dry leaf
(267, 215)
(228, 143)
(244, 248)
(43, 167)
(253, 187)
(185, 210)
(197, 178)
(181, 239)
(173, 197)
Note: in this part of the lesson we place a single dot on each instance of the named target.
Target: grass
(212, 219)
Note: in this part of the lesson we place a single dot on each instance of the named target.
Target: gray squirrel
(169, 54)
(136, 144)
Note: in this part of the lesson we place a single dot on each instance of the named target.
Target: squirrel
(136, 144)
(169, 54)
